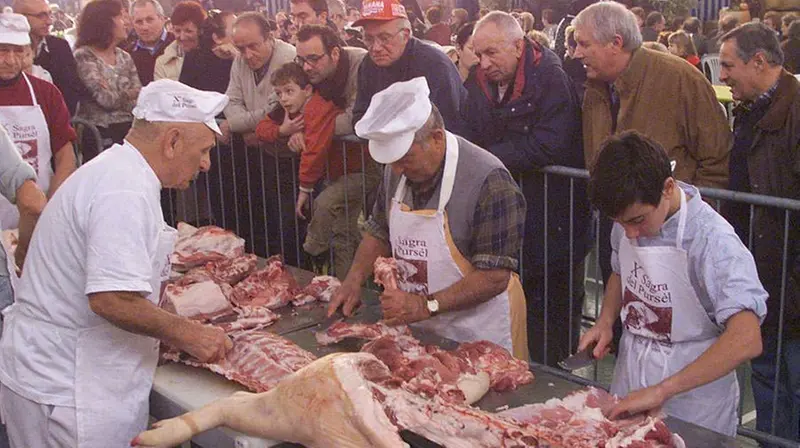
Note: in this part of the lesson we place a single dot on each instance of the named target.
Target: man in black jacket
(522, 107)
(52, 53)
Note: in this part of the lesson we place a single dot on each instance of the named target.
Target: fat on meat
(198, 301)
(206, 244)
(258, 359)
(321, 288)
(386, 272)
(246, 318)
(342, 330)
(272, 287)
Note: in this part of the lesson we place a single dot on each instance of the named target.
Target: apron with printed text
(665, 328)
(114, 371)
(429, 261)
(27, 127)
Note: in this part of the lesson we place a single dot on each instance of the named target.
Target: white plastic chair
(710, 64)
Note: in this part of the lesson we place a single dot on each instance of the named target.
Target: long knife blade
(579, 360)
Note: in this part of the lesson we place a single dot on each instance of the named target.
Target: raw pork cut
(341, 330)
(320, 288)
(272, 287)
(385, 272)
(229, 270)
(352, 400)
(247, 318)
(577, 421)
(199, 301)
(506, 372)
(258, 360)
(210, 243)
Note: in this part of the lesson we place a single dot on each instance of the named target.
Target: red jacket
(321, 157)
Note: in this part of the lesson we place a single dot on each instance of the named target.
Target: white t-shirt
(98, 233)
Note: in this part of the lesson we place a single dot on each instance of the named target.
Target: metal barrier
(252, 191)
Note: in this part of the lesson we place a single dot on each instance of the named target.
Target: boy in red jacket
(306, 121)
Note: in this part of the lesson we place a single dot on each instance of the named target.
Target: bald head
(38, 14)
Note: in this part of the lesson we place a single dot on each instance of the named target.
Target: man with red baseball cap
(395, 55)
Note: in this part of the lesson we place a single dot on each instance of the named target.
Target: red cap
(380, 10)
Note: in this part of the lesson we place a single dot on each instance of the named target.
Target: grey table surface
(300, 325)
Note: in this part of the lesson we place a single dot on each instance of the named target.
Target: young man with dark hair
(653, 25)
(684, 286)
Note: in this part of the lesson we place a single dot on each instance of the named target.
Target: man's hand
(649, 400)
(207, 344)
(302, 203)
(400, 307)
(226, 51)
(600, 333)
(297, 142)
(348, 296)
(225, 128)
(291, 126)
(251, 139)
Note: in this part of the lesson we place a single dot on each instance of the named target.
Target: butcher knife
(579, 360)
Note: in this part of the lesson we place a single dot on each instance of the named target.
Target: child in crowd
(306, 121)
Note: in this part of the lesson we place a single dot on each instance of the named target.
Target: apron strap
(681, 219)
(448, 175)
(30, 88)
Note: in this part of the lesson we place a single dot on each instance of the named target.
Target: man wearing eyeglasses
(395, 56)
(52, 53)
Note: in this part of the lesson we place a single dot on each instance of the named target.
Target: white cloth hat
(394, 115)
(14, 29)
(172, 101)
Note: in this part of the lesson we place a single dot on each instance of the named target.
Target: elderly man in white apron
(684, 286)
(436, 215)
(28, 123)
(80, 344)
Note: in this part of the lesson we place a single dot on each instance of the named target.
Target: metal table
(180, 388)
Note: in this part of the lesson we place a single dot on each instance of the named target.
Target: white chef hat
(394, 115)
(14, 29)
(172, 101)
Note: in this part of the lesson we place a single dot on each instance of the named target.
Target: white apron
(27, 127)
(429, 261)
(114, 371)
(665, 328)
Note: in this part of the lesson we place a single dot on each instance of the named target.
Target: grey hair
(434, 122)
(609, 19)
(753, 38)
(336, 7)
(143, 3)
(505, 22)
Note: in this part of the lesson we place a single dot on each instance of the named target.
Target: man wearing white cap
(80, 345)
(34, 115)
(456, 253)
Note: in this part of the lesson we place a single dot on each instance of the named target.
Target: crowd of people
(607, 88)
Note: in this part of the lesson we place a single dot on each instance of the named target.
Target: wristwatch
(432, 304)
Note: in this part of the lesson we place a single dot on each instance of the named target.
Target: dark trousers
(114, 133)
(253, 193)
(561, 332)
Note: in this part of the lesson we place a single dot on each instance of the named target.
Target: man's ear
(669, 185)
(324, 16)
(172, 139)
(519, 47)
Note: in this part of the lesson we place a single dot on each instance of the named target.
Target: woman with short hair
(187, 18)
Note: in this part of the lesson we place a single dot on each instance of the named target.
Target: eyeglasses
(44, 15)
(311, 59)
(381, 39)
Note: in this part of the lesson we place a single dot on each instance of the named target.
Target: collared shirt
(497, 225)
(154, 49)
(261, 73)
(42, 47)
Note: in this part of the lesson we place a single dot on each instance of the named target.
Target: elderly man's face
(498, 55)
(739, 75)
(255, 48)
(386, 41)
(147, 23)
(595, 55)
(39, 16)
(317, 63)
(189, 152)
(12, 59)
(420, 162)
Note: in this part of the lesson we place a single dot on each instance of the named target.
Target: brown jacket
(773, 164)
(672, 102)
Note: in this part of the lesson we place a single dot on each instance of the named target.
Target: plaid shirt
(497, 226)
